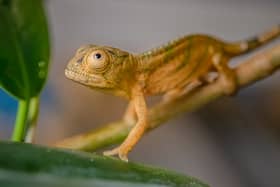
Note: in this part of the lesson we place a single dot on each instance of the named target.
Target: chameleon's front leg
(137, 131)
(130, 115)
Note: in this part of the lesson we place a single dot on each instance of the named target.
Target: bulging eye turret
(98, 61)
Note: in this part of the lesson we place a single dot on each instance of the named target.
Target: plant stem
(32, 119)
(20, 124)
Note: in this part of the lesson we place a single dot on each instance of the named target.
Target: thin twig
(258, 67)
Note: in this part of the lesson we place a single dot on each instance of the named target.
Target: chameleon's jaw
(82, 77)
(75, 76)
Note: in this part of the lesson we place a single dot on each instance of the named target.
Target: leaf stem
(32, 119)
(20, 123)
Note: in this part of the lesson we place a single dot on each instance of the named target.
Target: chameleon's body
(168, 70)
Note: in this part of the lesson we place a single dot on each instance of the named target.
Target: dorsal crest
(164, 47)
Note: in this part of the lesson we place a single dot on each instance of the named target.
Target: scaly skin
(171, 70)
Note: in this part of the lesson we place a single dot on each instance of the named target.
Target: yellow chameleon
(169, 70)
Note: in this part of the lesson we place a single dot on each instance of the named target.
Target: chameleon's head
(102, 67)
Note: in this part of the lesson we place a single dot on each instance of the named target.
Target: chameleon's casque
(171, 70)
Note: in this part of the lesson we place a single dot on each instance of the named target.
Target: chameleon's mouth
(87, 80)
(81, 77)
(75, 76)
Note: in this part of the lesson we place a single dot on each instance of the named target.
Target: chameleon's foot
(229, 85)
(117, 151)
(208, 78)
(226, 75)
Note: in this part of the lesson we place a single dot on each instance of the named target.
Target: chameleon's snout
(73, 72)
(77, 74)
(67, 73)
(68, 70)
(70, 74)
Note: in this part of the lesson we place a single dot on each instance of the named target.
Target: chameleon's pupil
(97, 56)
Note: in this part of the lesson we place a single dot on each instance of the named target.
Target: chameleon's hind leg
(208, 78)
(172, 94)
(178, 92)
(225, 74)
(137, 131)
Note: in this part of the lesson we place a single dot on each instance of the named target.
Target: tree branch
(258, 67)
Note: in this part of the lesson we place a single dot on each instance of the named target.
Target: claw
(117, 151)
(111, 152)
(123, 157)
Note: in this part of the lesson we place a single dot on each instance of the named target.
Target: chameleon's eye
(98, 61)
(97, 56)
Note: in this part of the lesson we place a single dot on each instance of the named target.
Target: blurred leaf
(32, 29)
(29, 165)
(24, 47)
(13, 73)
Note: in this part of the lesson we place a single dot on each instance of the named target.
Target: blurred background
(232, 142)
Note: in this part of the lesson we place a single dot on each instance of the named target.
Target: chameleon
(169, 70)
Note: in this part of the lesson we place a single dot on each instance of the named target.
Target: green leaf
(13, 73)
(32, 29)
(29, 165)
(24, 47)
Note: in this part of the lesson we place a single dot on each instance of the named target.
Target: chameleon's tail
(245, 46)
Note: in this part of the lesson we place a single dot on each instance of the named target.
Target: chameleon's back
(179, 64)
(190, 58)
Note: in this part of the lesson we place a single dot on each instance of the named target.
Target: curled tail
(245, 46)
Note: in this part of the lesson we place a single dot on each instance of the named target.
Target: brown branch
(258, 67)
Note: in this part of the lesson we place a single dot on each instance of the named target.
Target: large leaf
(13, 73)
(24, 47)
(29, 165)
